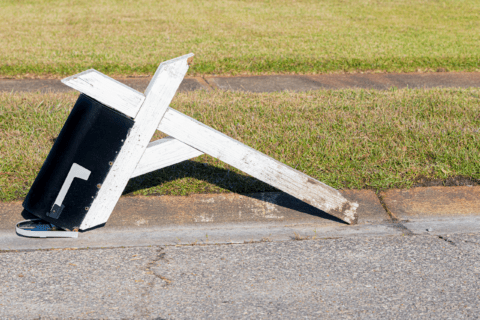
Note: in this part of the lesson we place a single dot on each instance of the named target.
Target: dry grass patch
(345, 138)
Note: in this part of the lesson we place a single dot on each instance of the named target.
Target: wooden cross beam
(188, 139)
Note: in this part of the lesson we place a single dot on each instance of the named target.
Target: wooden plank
(163, 153)
(258, 165)
(108, 91)
(159, 94)
(159, 154)
(303, 187)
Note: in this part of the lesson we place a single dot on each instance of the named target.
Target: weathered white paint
(163, 153)
(141, 222)
(108, 91)
(159, 94)
(257, 164)
(204, 217)
(205, 139)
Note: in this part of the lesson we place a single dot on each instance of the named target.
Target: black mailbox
(78, 163)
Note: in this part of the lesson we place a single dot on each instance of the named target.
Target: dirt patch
(423, 181)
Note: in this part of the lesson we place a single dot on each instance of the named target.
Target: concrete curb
(233, 218)
(270, 208)
(272, 83)
(423, 203)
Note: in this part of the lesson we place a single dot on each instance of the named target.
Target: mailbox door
(78, 163)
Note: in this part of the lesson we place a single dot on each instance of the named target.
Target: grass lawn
(345, 138)
(122, 38)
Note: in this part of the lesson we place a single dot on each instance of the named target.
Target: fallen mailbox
(105, 142)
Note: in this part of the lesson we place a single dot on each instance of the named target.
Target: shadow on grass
(224, 179)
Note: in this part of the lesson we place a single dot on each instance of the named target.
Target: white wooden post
(189, 138)
(158, 96)
(257, 164)
(163, 153)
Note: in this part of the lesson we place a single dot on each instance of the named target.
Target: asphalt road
(389, 277)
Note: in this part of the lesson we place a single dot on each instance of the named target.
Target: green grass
(122, 38)
(345, 138)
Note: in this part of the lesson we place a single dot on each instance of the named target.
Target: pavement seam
(212, 85)
(314, 78)
(204, 83)
(385, 207)
(160, 257)
(396, 223)
(400, 226)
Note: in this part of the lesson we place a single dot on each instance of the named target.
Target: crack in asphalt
(400, 226)
(160, 257)
(472, 242)
(447, 240)
(147, 294)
